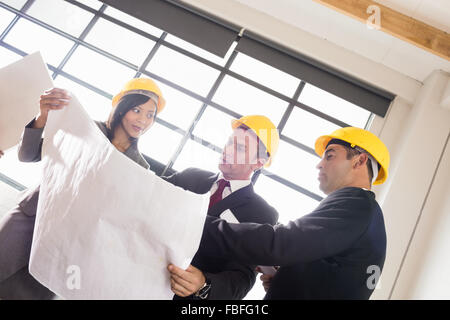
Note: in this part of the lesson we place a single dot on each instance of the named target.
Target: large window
(93, 49)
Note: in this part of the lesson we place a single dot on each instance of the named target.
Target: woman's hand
(54, 99)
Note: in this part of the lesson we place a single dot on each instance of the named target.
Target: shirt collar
(235, 185)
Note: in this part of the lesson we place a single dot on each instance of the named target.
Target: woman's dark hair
(125, 104)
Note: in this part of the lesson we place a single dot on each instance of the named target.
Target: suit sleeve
(182, 179)
(173, 179)
(30, 146)
(232, 284)
(330, 229)
(238, 278)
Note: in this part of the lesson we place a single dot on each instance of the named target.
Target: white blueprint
(106, 228)
(21, 84)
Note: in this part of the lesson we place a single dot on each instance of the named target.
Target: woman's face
(139, 119)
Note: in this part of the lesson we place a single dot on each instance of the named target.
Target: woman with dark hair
(134, 111)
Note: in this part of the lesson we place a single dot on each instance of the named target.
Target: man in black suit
(251, 146)
(335, 252)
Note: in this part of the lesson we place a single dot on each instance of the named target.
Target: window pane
(62, 15)
(247, 100)
(265, 74)
(289, 203)
(297, 166)
(17, 4)
(196, 155)
(28, 174)
(132, 21)
(7, 57)
(197, 50)
(334, 106)
(5, 19)
(180, 109)
(91, 3)
(97, 106)
(30, 37)
(98, 70)
(119, 41)
(160, 143)
(214, 126)
(305, 127)
(183, 70)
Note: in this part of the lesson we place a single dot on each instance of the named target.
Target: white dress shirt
(235, 185)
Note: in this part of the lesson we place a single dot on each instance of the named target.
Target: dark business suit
(327, 254)
(229, 280)
(16, 227)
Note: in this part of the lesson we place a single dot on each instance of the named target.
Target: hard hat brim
(321, 145)
(235, 123)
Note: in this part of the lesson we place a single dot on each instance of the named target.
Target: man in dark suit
(335, 252)
(251, 146)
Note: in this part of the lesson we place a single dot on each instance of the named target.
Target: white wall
(425, 273)
(415, 199)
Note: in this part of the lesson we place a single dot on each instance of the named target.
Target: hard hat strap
(373, 163)
(153, 96)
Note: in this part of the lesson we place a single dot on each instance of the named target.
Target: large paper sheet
(106, 228)
(21, 84)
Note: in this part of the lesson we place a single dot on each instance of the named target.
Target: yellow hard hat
(363, 139)
(264, 129)
(143, 86)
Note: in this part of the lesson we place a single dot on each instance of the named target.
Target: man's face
(239, 156)
(334, 169)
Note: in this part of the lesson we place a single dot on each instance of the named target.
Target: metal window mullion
(165, 43)
(80, 38)
(297, 144)
(193, 56)
(224, 110)
(80, 42)
(287, 99)
(289, 109)
(191, 94)
(174, 85)
(321, 114)
(151, 55)
(259, 86)
(283, 121)
(369, 120)
(151, 37)
(170, 126)
(89, 86)
(291, 185)
(11, 182)
(82, 6)
(24, 8)
(206, 143)
(200, 112)
(114, 20)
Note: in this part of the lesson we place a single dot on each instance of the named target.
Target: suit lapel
(234, 200)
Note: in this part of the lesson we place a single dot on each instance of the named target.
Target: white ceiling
(357, 37)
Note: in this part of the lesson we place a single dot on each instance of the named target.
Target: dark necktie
(217, 196)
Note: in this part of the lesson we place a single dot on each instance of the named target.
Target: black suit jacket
(335, 252)
(229, 279)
